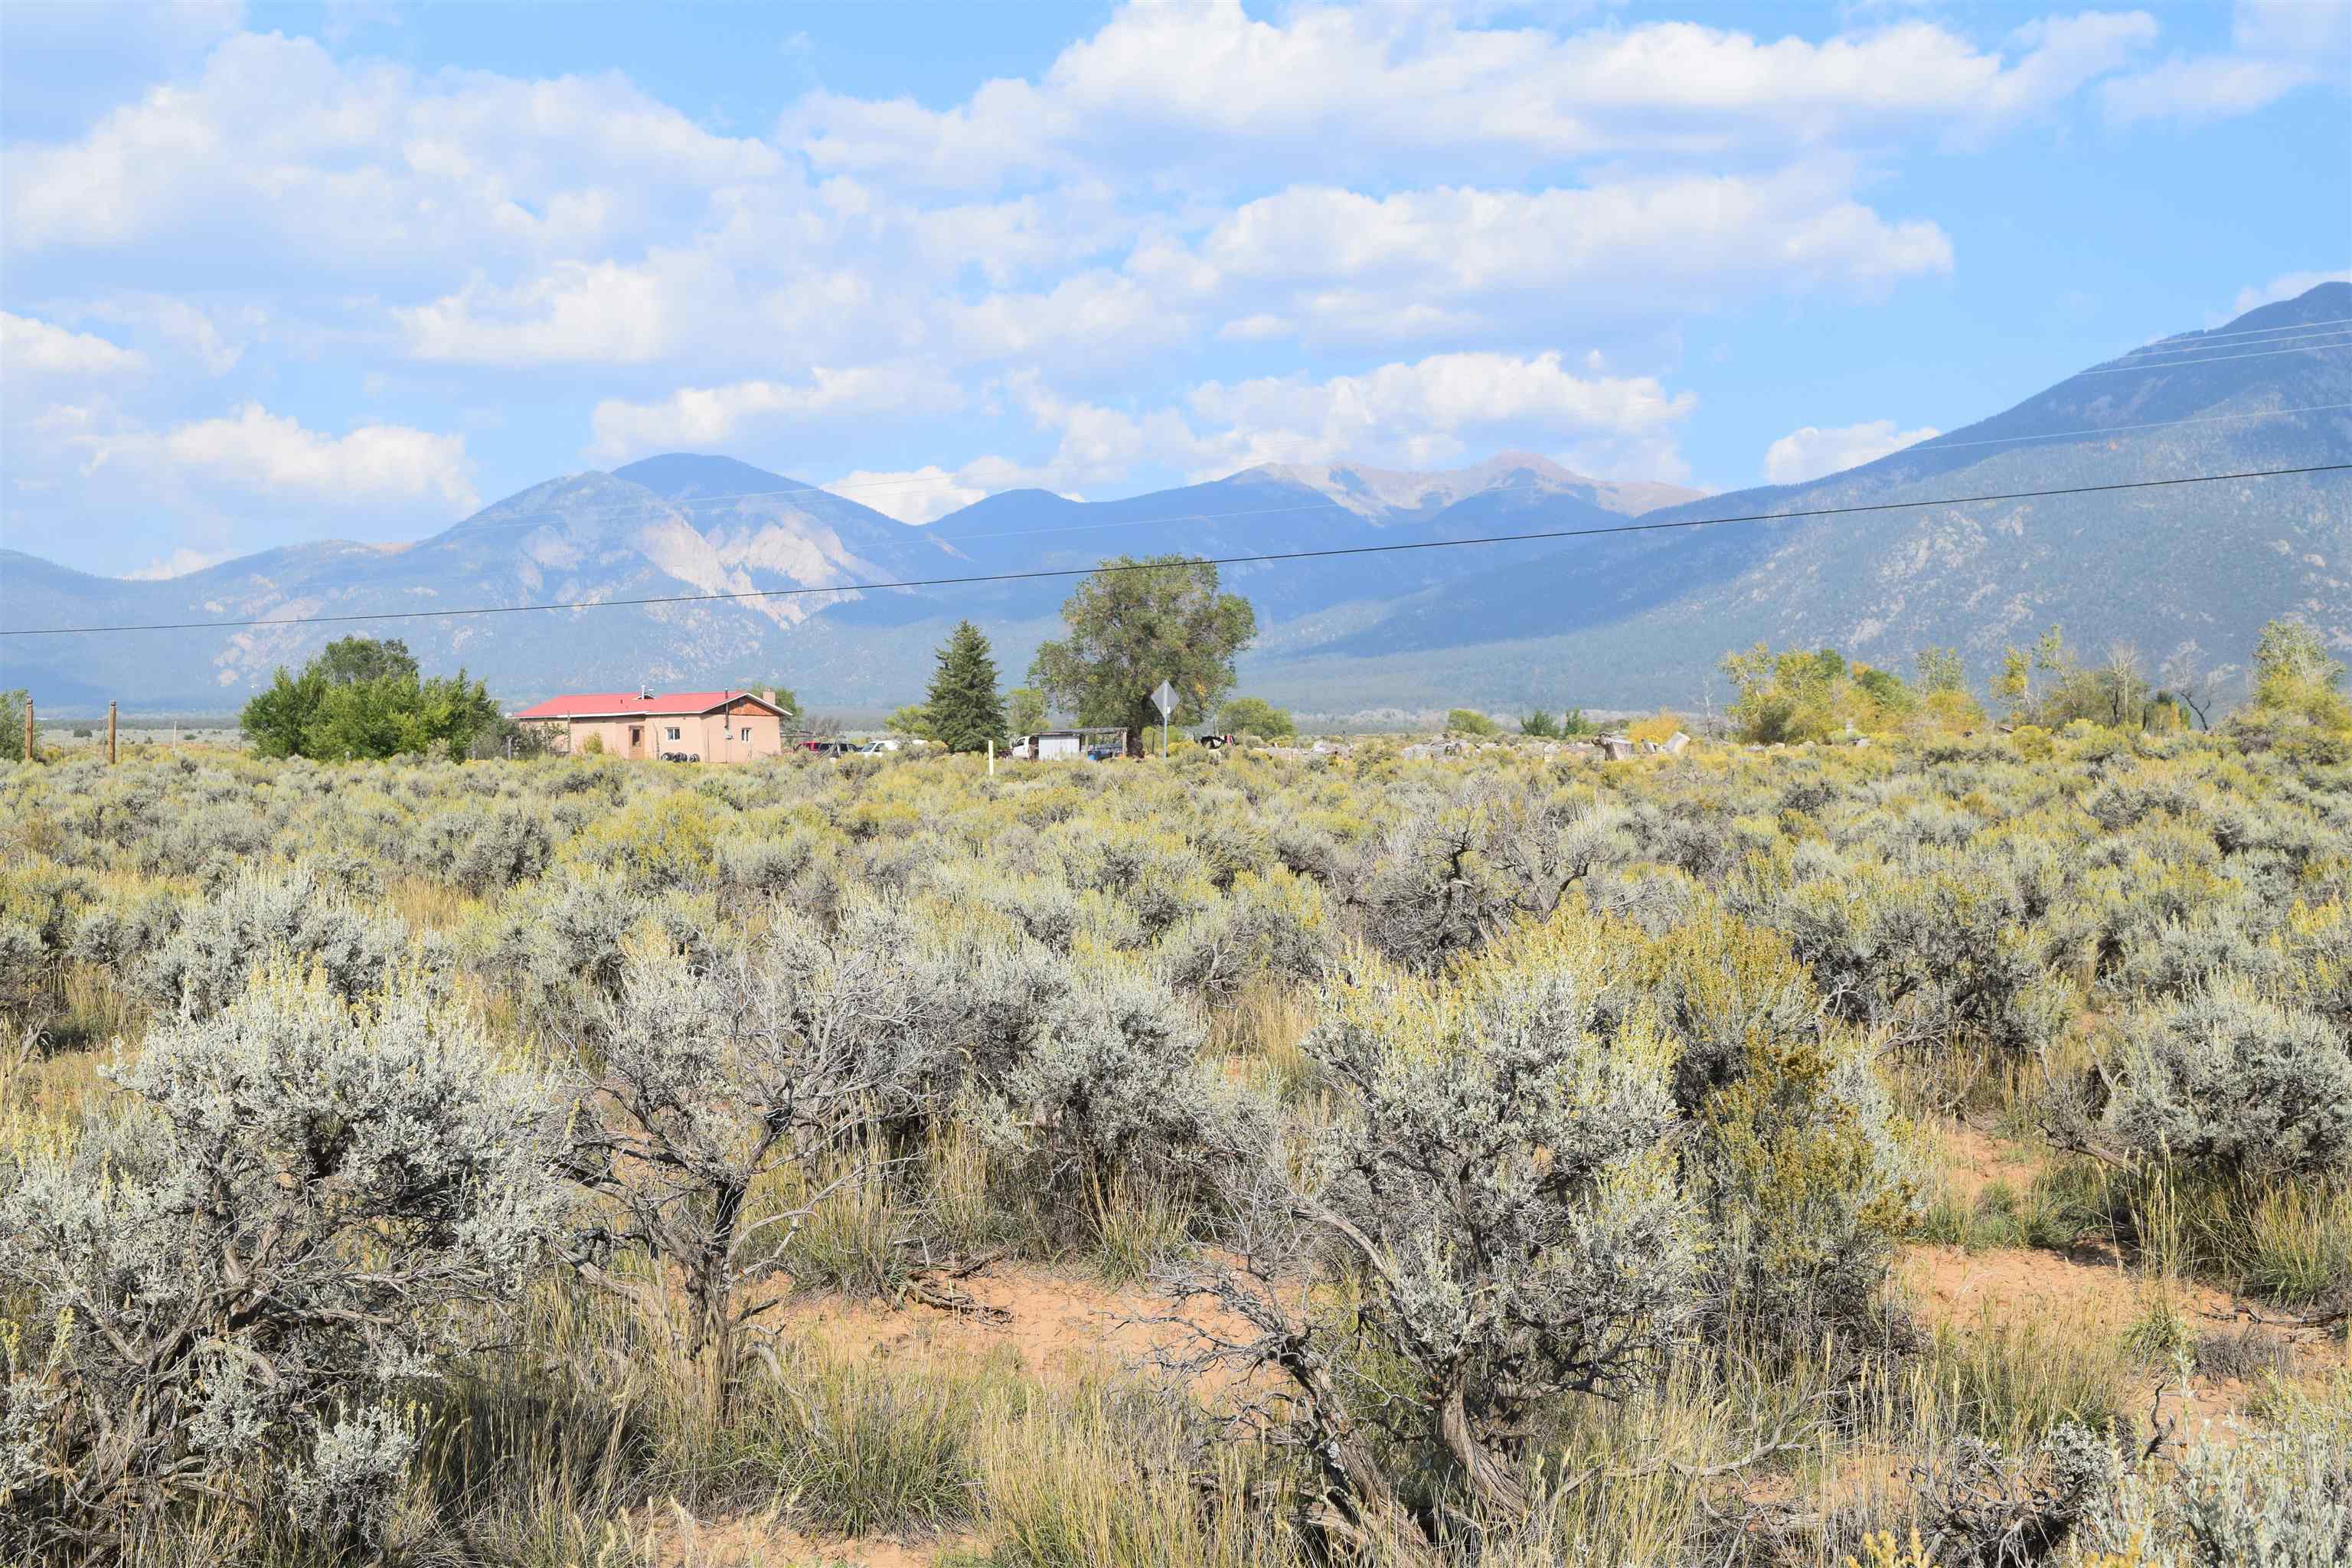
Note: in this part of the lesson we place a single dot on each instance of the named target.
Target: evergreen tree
(963, 709)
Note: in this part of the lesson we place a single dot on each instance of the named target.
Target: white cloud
(264, 452)
(178, 564)
(257, 453)
(1458, 260)
(912, 495)
(1411, 415)
(368, 164)
(1194, 82)
(27, 344)
(1416, 413)
(2276, 48)
(2285, 286)
(603, 312)
(1809, 452)
(710, 415)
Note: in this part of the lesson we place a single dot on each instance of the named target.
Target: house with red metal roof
(700, 726)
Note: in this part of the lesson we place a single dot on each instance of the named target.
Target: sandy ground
(1058, 1325)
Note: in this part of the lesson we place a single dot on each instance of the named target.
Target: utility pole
(110, 735)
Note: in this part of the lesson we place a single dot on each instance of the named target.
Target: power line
(1938, 443)
(2184, 340)
(2213, 359)
(1193, 561)
(2287, 340)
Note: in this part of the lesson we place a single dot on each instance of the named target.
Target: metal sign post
(1165, 701)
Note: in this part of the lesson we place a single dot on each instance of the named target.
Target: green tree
(2014, 684)
(2293, 673)
(965, 712)
(1254, 716)
(12, 724)
(1941, 669)
(275, 720)
(1574, 722)
(910, 718)
(1135, 624)
(1539, 724)
(347, 661)
(1470, 721)
(786, 698)
(1025, 709)
(337, 708)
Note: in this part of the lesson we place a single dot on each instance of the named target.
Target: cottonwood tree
(718, 1079)
(1497, 1196)
(1134, 624)
(310, 1204)
(360, 698)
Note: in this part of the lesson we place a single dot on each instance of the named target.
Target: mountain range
(1618, 620)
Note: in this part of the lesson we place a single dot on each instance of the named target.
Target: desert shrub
(511, 845)
(2228, 1080)
(1267, 928)
(1792, 1147)
(1112, 1085)
(1501, 1192)
(1430, 891)
(205, 964)
(560, 943)
(307, 1207)
(1950, 957)
(2276, 1494)
(668, 841)
(700, 1107)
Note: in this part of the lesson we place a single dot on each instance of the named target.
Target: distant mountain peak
(1384, 492)
(678, 475)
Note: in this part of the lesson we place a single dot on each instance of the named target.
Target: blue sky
(283, 272)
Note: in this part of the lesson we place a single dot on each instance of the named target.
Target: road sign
(1164, 699)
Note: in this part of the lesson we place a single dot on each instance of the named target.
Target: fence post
(28, 727)
(110, 735)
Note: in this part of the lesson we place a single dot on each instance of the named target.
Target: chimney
(767, 695)
(645, 691)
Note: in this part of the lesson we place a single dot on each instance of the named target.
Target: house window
(747, 731)
(671, 732)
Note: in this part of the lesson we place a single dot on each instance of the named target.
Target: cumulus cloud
(2277, 47)
(264, 454)
(178, 564)
(1416, 414)
(1809, 452)
(1196, 81)
(2285, 286)
(368, 164)
(38, 347)
(711, 416)
(1454, 259)
(912, 495)
(599, 312)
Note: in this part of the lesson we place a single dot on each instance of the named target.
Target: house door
(637, 740)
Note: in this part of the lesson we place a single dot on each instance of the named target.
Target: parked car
(828, 748)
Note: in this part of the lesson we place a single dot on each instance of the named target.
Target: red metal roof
(599, 704)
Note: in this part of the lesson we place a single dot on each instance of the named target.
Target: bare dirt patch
(1972, 1159)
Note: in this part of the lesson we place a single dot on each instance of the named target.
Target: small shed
(1067, 745)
